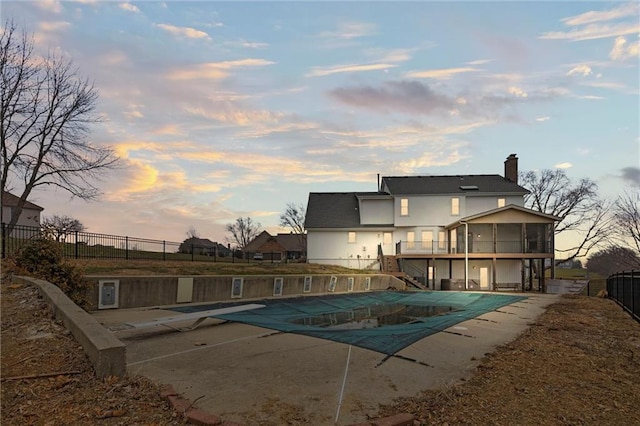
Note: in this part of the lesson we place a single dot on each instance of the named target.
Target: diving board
(199, 317)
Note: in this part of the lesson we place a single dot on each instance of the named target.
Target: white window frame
(411, 240)
(427, 240)
(387, 238)
(352, 238)
(442, 240)
(455, 206)
(404, 207)
(502, 202)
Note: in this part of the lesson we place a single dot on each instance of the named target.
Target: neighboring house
(204, 246)
(278, 247)
(30, 215)
(445, 232)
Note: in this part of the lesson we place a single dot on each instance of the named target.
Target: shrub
(42, 258)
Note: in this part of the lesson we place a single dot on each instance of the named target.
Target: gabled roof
(292, 242)
(10, 200)
(335, 210)
(289, 242)
(258, 241)
(459, 184)
(502, 209)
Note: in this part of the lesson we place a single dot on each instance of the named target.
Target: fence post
(192, 250)
(164, 250)
(76, 247)
(126, 248)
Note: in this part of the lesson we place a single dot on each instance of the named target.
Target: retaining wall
(105, 351)
(145, 291)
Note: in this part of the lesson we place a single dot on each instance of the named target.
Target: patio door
(484, 278)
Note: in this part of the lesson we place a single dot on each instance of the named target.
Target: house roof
(502, 209)
(289, 242)
(204, 242)
(458, 184)
(11, 200)
(257, 242)
(335, 210)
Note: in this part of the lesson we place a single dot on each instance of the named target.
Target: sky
(220, 110)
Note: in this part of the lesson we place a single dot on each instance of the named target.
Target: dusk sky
(227, 109)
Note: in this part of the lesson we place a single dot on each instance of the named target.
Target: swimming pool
(383, 321)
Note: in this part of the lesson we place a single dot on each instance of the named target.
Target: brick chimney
(511, 168)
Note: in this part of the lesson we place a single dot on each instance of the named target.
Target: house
(30, 215)
(203, 246)
(438, 232)
(277, 247)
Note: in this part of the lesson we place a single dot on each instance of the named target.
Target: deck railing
(445, 247)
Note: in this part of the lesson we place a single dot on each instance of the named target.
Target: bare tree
(613, 259)
(293, 218)
(61, 226)
(580, 209)
(243, 231)
(192, 232)
(45, 112)
(626, 213)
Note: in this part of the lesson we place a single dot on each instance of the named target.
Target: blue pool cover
(384, 321)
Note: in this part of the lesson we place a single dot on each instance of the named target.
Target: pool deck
(249, 375)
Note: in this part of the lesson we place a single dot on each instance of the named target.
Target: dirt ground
(578, 364)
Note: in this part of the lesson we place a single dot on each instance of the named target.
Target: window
(411, 238)
(453, 237)
(404, 207)
(501, 202)
(442, 243)
(455, 206)
(352, 237)
(427, 240)
(387, 236)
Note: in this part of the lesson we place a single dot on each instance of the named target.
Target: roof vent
(468, 187)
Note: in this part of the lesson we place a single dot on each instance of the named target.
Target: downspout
(466, 253)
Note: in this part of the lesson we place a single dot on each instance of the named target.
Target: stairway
(390, 266)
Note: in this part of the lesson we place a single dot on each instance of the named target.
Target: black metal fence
(87, 245)
(624, 288)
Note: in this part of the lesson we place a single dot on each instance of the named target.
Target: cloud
(438, 157)
(405, 96)
(518, 92)
(595, 24)
(52, 26)
(631, 175)
(541, 119)
(253, 44)
(350, 30)
(232, 114)
(580, 69)
(129, 7)
(627, 10)
(620, 52)
(592, 32)
(215, 70)
(444, 73)
(320, 71)
(183, 31)
(479, 62)
(52, 6)
(563, 166)
(604, 85)
(393, 55)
